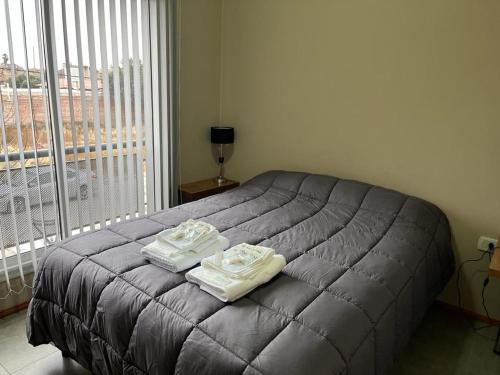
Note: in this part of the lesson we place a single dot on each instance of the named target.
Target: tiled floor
(20, 358)
(443, 345)
(446, 344)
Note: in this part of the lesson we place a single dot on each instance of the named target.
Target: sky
(31, 30)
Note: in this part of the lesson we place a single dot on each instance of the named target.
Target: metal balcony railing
(43, 153)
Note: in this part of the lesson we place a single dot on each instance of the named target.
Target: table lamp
(221, 135)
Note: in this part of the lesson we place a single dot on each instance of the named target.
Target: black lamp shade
(221, 135)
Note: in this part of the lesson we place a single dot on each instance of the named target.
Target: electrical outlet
(483, 242)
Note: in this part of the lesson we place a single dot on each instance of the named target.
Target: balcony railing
(43, 153)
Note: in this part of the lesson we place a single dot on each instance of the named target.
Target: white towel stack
(234, 273)
(184, 246)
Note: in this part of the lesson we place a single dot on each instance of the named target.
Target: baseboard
(14, 309)
(469, 313)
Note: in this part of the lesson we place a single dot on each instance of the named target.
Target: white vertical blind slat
(107, 109)
(118, 107)
(164, 124)
(56, 119)
(33, 134)
(20, 143)
(4, 258)
(148, 107)
(137, 108)
(72, 114)
(9, 183)
(48, 131)
(95, 111)
(128, 108)
(173, 172)
(84, 108)
(156, 99)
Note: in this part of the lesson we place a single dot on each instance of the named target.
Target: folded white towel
(188, 235)
(229, 289)
(242, 261)
(172, 259)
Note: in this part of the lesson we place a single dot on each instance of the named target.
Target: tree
(122, 86)
(22, 81)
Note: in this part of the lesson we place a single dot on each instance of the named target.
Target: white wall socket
(483, 241)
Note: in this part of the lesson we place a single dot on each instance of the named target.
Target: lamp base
(220, 180)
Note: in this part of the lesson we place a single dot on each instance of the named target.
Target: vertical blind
(86, 118)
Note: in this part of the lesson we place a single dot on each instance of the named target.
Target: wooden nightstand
(200, 189)
(494, 268)
(494, 271)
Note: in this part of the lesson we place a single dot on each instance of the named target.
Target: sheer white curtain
(86, 117)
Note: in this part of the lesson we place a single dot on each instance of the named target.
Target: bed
(364, 263)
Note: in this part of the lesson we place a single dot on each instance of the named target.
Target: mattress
(364, 263)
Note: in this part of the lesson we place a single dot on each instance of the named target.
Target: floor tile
(54, 364)
(446, 344)
(13, 325)
(15, 351)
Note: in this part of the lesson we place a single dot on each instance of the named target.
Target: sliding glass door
(85, 102)
(97, 49)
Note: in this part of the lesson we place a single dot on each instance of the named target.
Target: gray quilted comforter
(364, 264)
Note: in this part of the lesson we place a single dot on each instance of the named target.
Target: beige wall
(199, 31)
(405, 94)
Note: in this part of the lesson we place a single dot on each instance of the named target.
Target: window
(86, 114)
